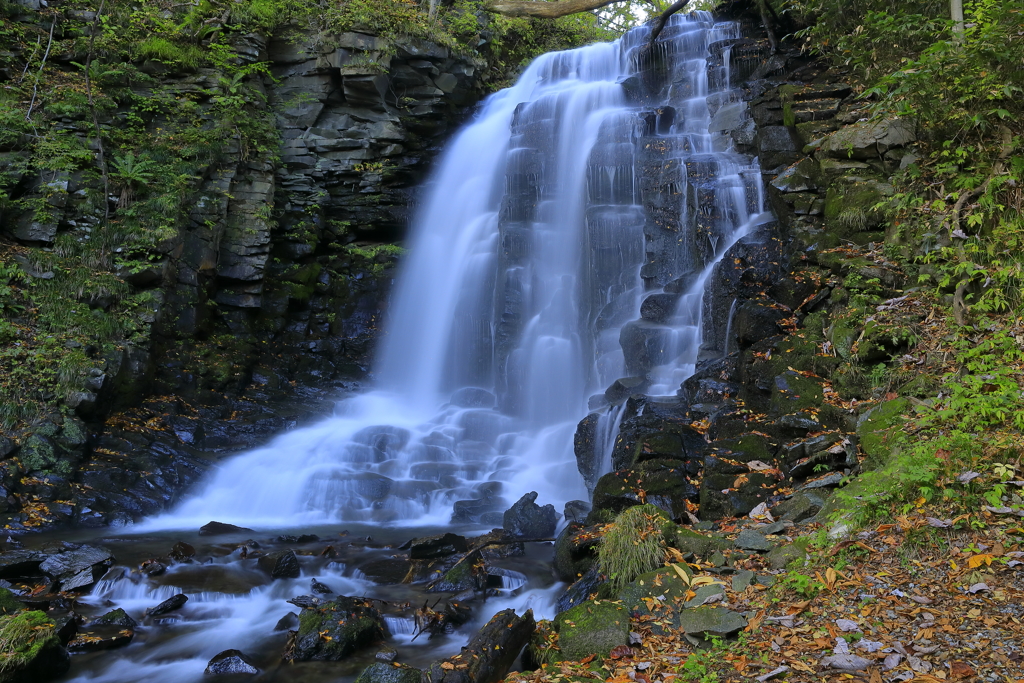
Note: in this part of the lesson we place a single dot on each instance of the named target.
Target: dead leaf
(847, 625)
(773, 673)
(938, 523)
(892, 661)
(447, 666)
(965, 477)
(961, 670)
(620, 651)
(978, 588)
(846, 663)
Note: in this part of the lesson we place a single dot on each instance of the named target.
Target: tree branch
(659, 23)
(543, 8)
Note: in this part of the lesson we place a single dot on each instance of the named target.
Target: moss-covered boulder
(575, 551)
(875, 430)
(661, 482)
(594, 627)
(9, 603)
(336, 629)
(30, 649)
(699, 545)
(706, 622)
(390, 672)
(662, 585)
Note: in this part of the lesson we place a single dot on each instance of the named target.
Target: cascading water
(566, 241)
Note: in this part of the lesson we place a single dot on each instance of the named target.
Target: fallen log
(489, 655)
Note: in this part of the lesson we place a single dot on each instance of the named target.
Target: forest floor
(920, 598)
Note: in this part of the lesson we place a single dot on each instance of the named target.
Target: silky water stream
(527, 272)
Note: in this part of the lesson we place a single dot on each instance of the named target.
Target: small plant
(803, 585)
(635, 544)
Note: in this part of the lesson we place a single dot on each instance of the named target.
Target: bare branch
(659, 23)
(543, 8)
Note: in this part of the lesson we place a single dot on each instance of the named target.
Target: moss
(876, 429)
(593, 627)
(30, 648)
(660, 582)
(634, 545)
(9, 602)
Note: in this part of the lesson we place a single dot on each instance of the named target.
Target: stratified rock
(381, 672)
(15, 564)
(526, 519)
(280, 565)
(169, 605)
(336, 629)
(230, 662)
(222, 529)
(77, 567)
(593, 627)
(780, 557)
(802, 506)
(35, 657)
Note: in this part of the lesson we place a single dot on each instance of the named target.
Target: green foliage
(635, 544)
(803, 585)
(21, 637)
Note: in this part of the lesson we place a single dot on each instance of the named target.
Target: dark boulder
(489, 654)
(182, 552)
(280, 565)
(664, 483)
(288, 622)
(98, 636)
(585, 446)
(117, 617)
(580, 590)
(334, 630)
(473, 397)
(436, 547)
(575, 551)
(169, 605)
(526, 519)
(576, 510)
(15, 564)
(658, 307)
(231, 662)
(222, 529)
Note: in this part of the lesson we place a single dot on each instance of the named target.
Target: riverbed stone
(593, 627)
(705, 622)
(282, 564)
(171, 604)
(222, 529)
(231, 662)
(77, 567)
(334, 630)
(436, 547)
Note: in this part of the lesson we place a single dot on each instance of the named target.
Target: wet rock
(67, 624)
(231, 662)
(658, 307)
(152, 568)
(336, 629)
(380, 672)
(663, 483)
(489, 654)
(473, 510)
(580, 590)
(182, 552)
(117, 617)
(576, 510)
(280, 565)
(526, 519)
(467, 574)
(300, 539)
(386, 654)
(575, 551)
(699, 545)
(664, 585)
(624, 387)
(321, 588)
(386, 570)
(593, 627)
(473, 397)
(77, 568)
(36, 658)
(288, 622)
(97, 636)
(171, 604)
(868, 139)
(9, 602)
(16, 564)
(584, 446)
(436, 547)
(222, 529)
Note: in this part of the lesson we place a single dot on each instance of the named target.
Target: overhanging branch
(543, 8)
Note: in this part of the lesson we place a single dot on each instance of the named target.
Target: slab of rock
(280, 565)
(705, 622)
(15, 564)
(592, 627)
(96, 637)
(751, 540)
(77, 567)
(783, 555)
(231, 662)
(526, 519)
(334, 630)
(222, 529)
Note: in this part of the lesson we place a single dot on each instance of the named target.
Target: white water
(524, 267)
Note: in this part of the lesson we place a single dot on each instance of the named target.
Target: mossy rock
(32, 651)
(875, 429)
(661, 583)
(698, 544)
(794, 392)
(783, 555)
(391, 672)
(575, 551)
(850, 206)
(9, 603)
(543, 647)
(593, 627)
(336, 629)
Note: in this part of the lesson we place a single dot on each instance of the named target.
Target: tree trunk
(956, 11)
(543, 8)
(489, 654)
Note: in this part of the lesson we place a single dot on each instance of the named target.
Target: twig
(35, 86)
(659, 23)
(28, 62)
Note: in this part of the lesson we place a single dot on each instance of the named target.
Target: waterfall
(526, 291)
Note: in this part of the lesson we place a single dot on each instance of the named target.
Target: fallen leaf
(921, 599)
(960, 670)
(847, 625)
(965, 477)
(588, 659)
(938, 523)
(918, 664)
(978, 560)
(772, 674)
(978, 588)
(892, 661)
(620, 651)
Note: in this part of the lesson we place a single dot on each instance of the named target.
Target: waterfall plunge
(524, 266)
